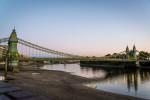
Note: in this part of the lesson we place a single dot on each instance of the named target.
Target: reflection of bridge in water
(132, 78)
(20, 50)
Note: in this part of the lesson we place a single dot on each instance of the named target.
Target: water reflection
(129, 82)
(76, 69)
(117, 80)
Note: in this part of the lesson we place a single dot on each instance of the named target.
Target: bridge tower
(134, 52)
(127, 52)
(13, 52)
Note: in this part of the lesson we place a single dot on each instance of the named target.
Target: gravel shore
(58, 85)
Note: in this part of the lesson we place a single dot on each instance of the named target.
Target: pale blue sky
(82, 27)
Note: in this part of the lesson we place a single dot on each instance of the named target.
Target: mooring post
(6, 64)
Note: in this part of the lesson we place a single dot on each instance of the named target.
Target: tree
(143, 54)
(108, 55)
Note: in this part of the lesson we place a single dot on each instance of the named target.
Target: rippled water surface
(128, 82)
(76, 69)
(117, 80)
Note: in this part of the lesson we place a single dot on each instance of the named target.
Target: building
(3, 50)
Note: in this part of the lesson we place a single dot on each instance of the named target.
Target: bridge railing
(31, 45)
(4, 40)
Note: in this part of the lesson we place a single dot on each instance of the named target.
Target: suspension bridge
(20, 50)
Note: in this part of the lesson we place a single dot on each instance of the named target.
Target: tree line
(141, 55)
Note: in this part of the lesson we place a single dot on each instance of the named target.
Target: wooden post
(6, 64)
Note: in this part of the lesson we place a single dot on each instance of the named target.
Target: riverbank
(58, 85)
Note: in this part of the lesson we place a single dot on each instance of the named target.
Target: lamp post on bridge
(13, 52)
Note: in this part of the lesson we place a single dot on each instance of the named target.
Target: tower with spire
(127, 52)
(131, 53)
(13, 40)
(13, 52)
(134, 52)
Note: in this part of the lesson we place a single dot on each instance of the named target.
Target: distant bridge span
(21, 50)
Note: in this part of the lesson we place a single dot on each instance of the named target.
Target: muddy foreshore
(58, 85)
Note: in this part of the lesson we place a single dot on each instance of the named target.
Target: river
(116, 80)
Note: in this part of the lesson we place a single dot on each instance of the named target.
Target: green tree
(143, 55)
(108, 55)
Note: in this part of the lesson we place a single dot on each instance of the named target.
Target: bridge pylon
(13, 52)
(134, 52)
(127, 52)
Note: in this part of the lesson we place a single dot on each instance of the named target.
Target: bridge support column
(13, 66)
(12, 52)
(134, 52)
(127, 53)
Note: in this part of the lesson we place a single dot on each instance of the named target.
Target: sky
(80, 27)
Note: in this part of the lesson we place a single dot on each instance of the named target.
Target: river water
(117, 80)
